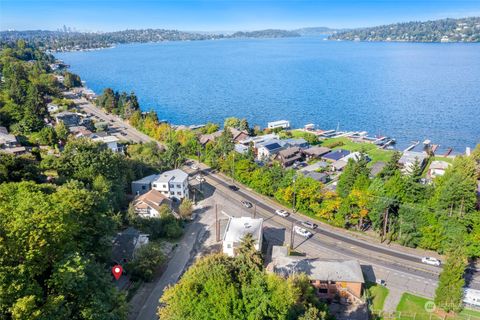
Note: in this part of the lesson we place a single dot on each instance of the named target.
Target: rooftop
(411, 156)
(272, 146)
(317, 269)
(237, 228)
(106, 139)
(439, 165)
(148, 179)
(175, 175)
(336, 154)
(317, 151)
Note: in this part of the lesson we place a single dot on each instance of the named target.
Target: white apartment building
(173, 183)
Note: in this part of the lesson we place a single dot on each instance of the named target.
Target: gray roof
(173, 176)
(336, 154)
(411, 156)
(319, 176)
(315, 166)
(317, 151)
(147, 180)
(318, 269)
(376, 168)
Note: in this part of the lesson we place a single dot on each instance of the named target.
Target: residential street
(181, 256)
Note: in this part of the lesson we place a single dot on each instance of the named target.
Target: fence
(401, 315)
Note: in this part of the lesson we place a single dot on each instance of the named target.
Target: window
(154, 185)
(322, 290)
(179, 186)
(179, 193)
(165, 192)
(165, 186)
(172, 193)
(144, 187)
(229, 246)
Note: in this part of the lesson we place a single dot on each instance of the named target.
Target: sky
(223, 15)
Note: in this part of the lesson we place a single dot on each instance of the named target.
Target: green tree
(186, 208)
(71, 80)
(146, 261)
(449, 293)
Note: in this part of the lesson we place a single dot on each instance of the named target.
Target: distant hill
(268, 33)
(314, 31)
(444, 30)
(67, 41)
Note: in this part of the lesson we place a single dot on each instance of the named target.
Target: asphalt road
(116, 125)
(393, 260)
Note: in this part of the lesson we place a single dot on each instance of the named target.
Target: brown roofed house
(316, 152)
(289, 156)
(148, 205)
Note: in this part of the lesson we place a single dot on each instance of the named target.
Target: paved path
(392, 300)
(181, 257)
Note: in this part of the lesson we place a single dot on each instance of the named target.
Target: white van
(472, 297)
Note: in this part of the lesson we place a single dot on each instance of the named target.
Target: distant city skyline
(217, 15)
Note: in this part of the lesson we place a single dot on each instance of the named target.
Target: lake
(409, 91)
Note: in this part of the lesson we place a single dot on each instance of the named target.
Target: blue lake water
(409, 91)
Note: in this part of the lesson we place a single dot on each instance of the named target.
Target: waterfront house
(237, 229)
(173, 184)
(409, 158)
(143, 185)
(300, 142)
(339, 165)
(126, 244)
(316, 152)
(148, 205)
(238, 136)
(335, 155)
(207, 138)
(355, 156)
(260, 139)
(289, 156)
(278, 124)
(329, 277)
(437, 169)
(266, 150)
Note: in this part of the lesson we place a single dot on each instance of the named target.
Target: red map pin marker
(117, 271)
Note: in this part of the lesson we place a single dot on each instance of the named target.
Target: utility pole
(217, 224)
(292, 237)
(233, 167)
(294, 196)
(254, 210)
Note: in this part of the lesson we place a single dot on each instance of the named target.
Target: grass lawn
(413, 307)
(372, 150)
(377, 294)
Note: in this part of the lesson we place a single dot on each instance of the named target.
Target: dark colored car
(233, 188)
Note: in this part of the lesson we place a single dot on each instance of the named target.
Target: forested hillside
(445, 30)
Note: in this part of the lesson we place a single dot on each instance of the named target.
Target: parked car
(194, 167)
(123, 133)
(282, 213)
(431, 261)
(233, 188)
(309, 224)
(303, 232)
(381, 282)
(200, 178)
(247, 204)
